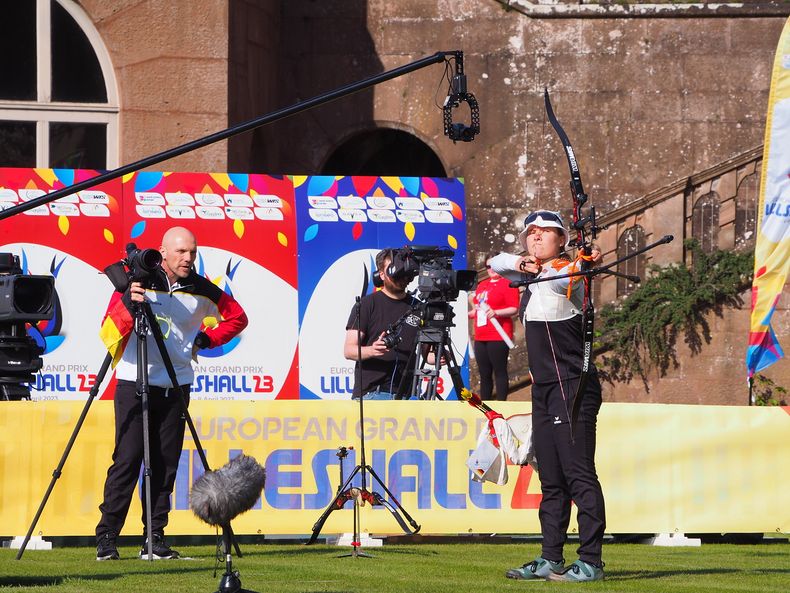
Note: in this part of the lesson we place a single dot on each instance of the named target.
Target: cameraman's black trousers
(567, 468)
(166, 428)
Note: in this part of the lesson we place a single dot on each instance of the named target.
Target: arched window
(58, 100)
(631, 241)
(746, 202)
(384, 151)
(705, 222)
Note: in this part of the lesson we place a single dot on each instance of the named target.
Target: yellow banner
(772, 248)
(663, 468)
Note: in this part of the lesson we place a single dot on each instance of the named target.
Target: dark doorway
(384, 151)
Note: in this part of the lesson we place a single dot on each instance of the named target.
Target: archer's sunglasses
(544, 215)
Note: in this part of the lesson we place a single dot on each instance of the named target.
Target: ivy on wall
(768, 393)
(640, 333)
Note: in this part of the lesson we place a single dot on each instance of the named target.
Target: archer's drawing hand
(528, 265)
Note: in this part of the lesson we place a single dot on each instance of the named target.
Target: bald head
(179, 250)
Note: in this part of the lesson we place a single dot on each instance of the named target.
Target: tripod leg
(141, 327)
(398, 505)
(454, 370)
(59, 469)
(171, 373)
(333, 506)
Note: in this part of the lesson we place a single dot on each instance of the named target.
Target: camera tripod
(144, 321)
(361, 494)
(433, 336)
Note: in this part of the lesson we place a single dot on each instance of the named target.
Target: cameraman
(391, 306)
(181, 300)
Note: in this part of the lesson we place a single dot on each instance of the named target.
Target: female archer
(564, 446)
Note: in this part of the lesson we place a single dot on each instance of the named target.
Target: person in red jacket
(494, 303)
(182, 300)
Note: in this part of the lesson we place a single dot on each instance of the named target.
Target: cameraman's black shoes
(161, 551)
(106, 548)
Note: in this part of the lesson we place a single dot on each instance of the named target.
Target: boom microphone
(219, 496)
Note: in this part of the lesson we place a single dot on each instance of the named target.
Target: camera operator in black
(391, 306)
(181, 300)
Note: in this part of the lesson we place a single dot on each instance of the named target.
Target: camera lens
(390, 339)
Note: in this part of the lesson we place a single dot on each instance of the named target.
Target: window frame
(43, 110)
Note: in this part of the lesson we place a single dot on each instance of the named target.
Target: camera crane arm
(155, 159)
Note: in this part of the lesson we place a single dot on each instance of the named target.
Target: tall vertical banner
(342, 223)
(71, 239)
(245, 228)
(772, 249)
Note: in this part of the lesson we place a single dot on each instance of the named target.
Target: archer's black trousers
(166, 434)
(566, 467)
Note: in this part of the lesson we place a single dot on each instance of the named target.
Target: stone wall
(645, 101)
(171, 66)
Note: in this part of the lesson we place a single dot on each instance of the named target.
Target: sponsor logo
(37, 211)
(147, 198)
(266, 201)
(69, 199)
(322, 215)
(179, 199)
(322, 202)
(235, 213)
(30, 194)
(150, 211)
(409, 203)
(381, 215)
(64, 209)
(348, 215)
(94, 196)
(180, 212)
(95, 210)
(210, 212)
(238, 200)
(8, 195)
(438, 216)
(382, 202)
(351, 202)
(438, 204)
(209, 200)
(268, 213)
(410, 216)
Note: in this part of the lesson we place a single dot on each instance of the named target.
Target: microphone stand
(345, 492)
(230, 581)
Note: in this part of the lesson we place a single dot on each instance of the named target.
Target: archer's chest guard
(548, 301)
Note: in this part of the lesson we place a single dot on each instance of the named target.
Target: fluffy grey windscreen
(220, 495)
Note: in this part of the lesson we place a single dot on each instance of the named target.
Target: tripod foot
(231, 583)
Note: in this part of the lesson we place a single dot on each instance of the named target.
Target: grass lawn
(434, 568)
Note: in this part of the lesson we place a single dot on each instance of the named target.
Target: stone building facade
(651, 95)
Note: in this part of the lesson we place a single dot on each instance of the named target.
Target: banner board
(291, 250)
(663, 468)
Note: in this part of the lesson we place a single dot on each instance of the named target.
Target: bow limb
(582, 243)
